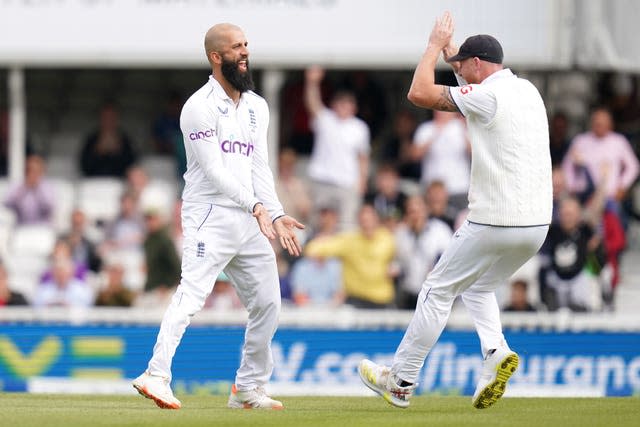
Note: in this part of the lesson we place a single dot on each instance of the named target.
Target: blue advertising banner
(318, 359)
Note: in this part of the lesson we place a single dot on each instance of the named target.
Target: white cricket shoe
(156, 388)
(379, 379)
(496, 371)
(252, 399)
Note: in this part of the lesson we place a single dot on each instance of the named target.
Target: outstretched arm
(312, 95)
(424, 92)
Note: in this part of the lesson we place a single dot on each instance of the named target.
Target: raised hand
(442, 31)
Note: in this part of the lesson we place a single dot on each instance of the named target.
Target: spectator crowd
(377, 219)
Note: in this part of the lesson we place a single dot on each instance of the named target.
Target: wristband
(254, 206)
(277, 218)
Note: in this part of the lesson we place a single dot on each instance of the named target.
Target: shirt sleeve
(365, 141)
(475, 100)
(262, 177)
(208, 156)
(325, 247)
(630, 167)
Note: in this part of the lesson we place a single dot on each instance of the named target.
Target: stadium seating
(65, 199)
(28, 256)
(99, 198)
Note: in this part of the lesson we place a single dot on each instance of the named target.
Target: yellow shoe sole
(495, 389)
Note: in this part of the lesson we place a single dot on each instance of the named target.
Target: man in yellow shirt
(366, 255)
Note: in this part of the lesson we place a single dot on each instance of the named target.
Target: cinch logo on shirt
(195, 135)
(237, 147)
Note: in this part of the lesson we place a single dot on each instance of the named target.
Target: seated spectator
(317, 282)
(564, 257)
(366, 255)
(518, 300)
(386, 197)
(559, 140)
(114, 293)
(397, 149)
(62, 252)
(83, 250)
(7, 296)
(292, 191)
(136, 181)
(167, 136)
(162, 261)
(223, 296)
(327, 223)
(437, 198)
(442, 146)
(166, 131)
(63, 289)
(127, 232)
(107, 151)
(420, 241)
(33, 200)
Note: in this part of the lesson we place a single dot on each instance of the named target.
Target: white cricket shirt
(447, 159)
(226, 147)
(511, 165)
(336, 147)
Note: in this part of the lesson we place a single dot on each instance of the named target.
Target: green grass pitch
(25, 410)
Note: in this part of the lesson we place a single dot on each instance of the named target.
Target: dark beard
(239, 80)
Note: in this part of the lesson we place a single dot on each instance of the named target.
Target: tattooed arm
(424, 92)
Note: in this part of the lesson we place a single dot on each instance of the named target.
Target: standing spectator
(33, 200)
(63, 288)
(565, 282)
(420, 241)
(559, 140)
(443, 147)
(601, 150)
(83, 250)
(162, 261)
(7, 296)
(114, 293)
(340, 159)
(519, 301)
(107, 151)
(366, 255)
(398, 147)
(437, 198)
(387, 198)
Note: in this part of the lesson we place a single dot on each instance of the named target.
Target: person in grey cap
(509, 210)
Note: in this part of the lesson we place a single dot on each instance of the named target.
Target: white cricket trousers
(222, 238)
(478, 260)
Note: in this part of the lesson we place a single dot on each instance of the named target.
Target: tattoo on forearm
(445, 102)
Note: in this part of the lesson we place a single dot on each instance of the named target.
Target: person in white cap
(229, 206)
(509, 210)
